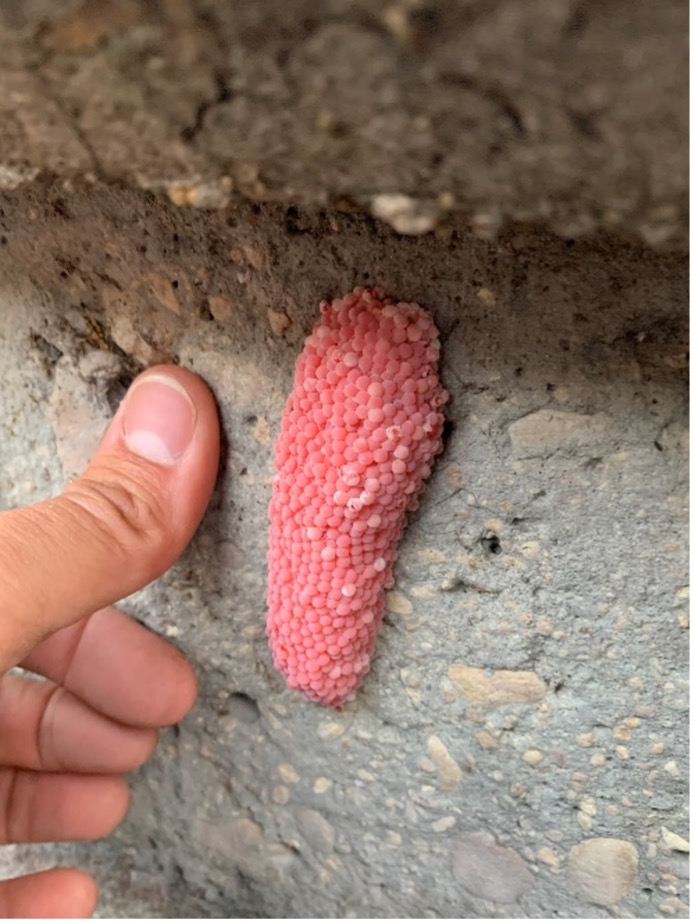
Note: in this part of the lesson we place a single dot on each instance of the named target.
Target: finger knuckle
(13, 813)
(46, 740)
(127, 514)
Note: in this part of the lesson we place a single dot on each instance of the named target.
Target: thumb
(121, 524)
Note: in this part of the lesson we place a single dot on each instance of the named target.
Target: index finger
(119, 668)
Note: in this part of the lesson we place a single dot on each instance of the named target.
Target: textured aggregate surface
(570, 114)
(358, 437)
(519, 748)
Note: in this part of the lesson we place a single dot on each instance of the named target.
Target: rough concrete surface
(567, 113)
(520, 747)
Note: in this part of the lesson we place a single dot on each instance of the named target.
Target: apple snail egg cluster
(358, 437)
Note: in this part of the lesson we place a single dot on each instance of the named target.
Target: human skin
(66, 742)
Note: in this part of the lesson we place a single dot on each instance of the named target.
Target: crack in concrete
(222, 95)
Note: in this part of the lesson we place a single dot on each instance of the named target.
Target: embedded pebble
(315, 829)
(488, 870)
(675, 842)
(261, 431)
(213, 195)
(486, 296)
(279, 321)
(584, 821)
(486, 741)
(322, 785)
(241, 845)
(588, 806)
(220, 308)
(398, 603)
(492, 689)
(443, 824)
(97, 365)
(449, 772)
(604, 870)
(673, 905)
(548, 856)
(164, 292)
(288, 773)
(280, 795)
(406, 215)
(546, 431)
(330, 730)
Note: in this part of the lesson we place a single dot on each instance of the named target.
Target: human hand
(110, 684)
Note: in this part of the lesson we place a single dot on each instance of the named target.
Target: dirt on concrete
(569, 114)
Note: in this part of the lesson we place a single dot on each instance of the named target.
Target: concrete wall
(520, 746)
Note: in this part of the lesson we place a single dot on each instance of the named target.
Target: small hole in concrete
(292, 221)
(60, 208)
(244, 708)
(117, 389)
(491, 544)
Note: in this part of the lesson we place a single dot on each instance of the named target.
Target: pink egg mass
(358, 437)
